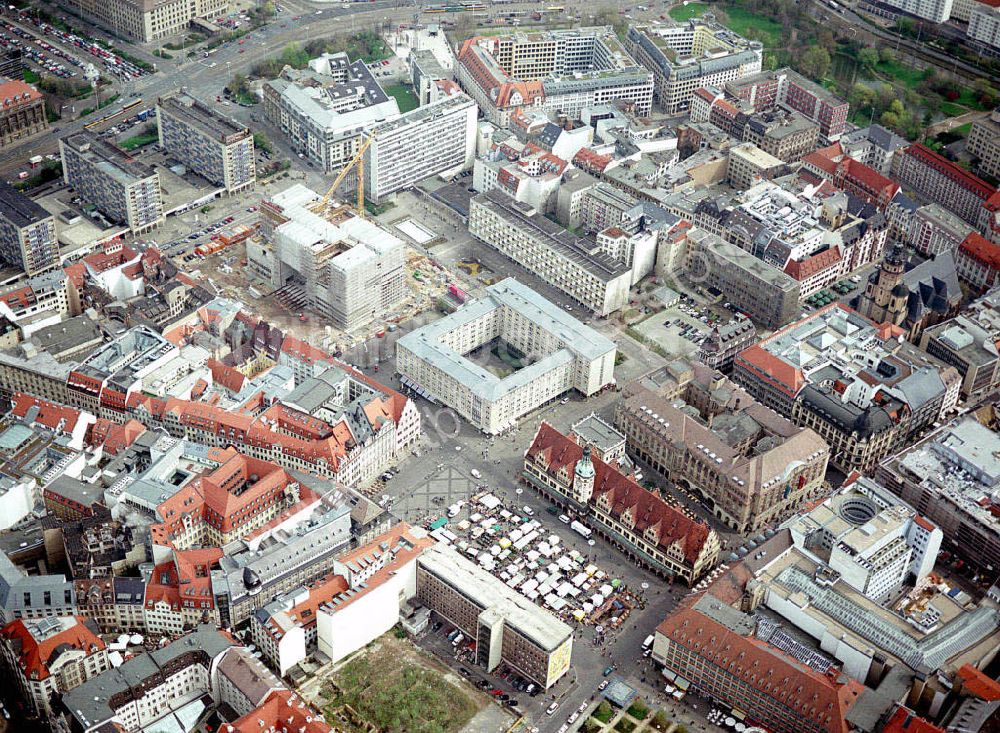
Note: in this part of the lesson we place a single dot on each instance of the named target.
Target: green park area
(391, 686)
(745, 22)
(404, 96)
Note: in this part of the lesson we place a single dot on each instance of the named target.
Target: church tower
(885, 296)
(583, 477)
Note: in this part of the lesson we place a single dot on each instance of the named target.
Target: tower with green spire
(583, 477)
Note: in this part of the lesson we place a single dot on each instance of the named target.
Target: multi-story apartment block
(850, 176)
(936, 11)
(751, 466)
(426, 71)
(507, 626)
(933, 229)
(325, 110)
(695, 53)
(123, 189)
(49, 657)
(791, 91)
(550, 351)
(920, 169)
(22, 112)
(27, 233)
(952, 477)
(767, 294)
(646, 528)
(853, 382)
(978, 262)
(549, 71)
(967, 346)
(593, 279)
(343, 266)
(984, 143)
(24, 596)
(725, 341)
(286, 558)
(207, 142)
(148, 20)
(984, 28)
(436, 139)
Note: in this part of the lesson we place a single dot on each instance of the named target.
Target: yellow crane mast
(358, 162)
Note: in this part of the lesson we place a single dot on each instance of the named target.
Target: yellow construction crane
(357, 161)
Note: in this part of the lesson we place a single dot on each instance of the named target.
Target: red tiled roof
(50, 414)
(187, 576)
(76, 273)
(981, 250)
(977, 683)
(230, 378)
(282, 710)
(18, 92)
(802, 269)
(905, 721)
(623, 494)
(823, 699)
(786, 377)
(34, 656)
(590, 160)
(955, 172)
(113, 436)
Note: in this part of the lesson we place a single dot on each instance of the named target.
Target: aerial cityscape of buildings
(483, 368)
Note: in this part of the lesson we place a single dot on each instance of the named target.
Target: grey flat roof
(593, 429)
(111, 159)
(201, 116)
(492, 594)
(577, 339)
(553, 235)
(18, 208)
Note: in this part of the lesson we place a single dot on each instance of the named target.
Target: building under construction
(318, 254)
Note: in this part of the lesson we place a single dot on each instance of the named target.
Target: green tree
(868, 58)
(905, 26)
(815, 62)
(261, 142)
(886, 55)
(896, 107)
(889, 119)
(862, 96)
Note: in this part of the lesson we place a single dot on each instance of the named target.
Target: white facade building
(436, 139)
(520, 232)
(869, 539)
(936, 11)
(550, 351)
(984, 26)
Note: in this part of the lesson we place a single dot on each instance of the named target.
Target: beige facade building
(684, 56)
(749, 464)
(146, 21)
(748, 165)
(505, 625)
